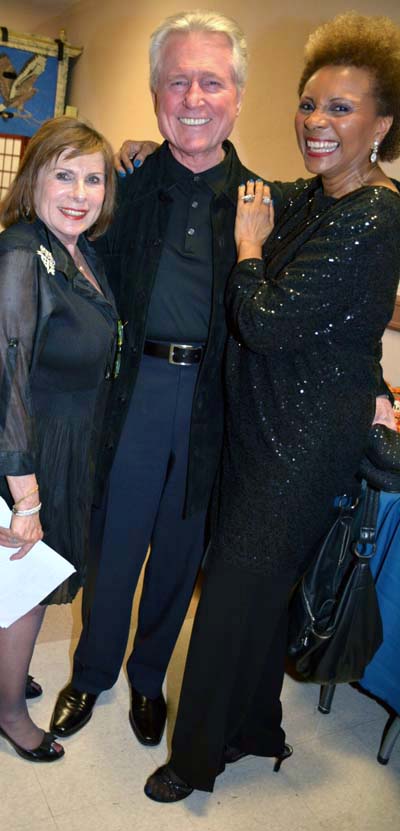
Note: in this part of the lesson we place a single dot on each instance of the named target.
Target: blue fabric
(382, 676)
(144, 503)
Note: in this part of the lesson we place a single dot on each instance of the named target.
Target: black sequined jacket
(131, 252)
(302, 376)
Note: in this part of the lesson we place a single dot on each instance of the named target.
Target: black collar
(61, 256)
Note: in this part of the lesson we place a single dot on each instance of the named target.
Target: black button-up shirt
(180, 304)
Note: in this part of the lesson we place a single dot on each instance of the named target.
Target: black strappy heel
(44, 752)
(32, 689)
(286, 754)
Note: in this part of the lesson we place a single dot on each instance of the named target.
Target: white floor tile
(332, 783)
(22, 804)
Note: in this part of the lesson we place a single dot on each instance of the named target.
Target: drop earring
(373, 156)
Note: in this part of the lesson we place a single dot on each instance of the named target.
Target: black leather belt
(181, 354)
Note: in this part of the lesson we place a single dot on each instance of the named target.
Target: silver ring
(14, 540)
(266, 200)
(249, 197)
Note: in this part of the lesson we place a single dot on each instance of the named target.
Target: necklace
(81, 265)
(86, 272)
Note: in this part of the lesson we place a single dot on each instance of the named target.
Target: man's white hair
(200, 20)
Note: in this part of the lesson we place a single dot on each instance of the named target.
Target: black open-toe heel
(44, 752)
(32, 689)
(164, 785)
(286, 753)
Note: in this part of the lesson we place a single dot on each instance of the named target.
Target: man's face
(197, 100)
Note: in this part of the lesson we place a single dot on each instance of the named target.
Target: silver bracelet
(29, 512)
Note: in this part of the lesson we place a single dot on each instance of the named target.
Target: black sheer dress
(57, 344)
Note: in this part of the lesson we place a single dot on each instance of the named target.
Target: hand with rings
(254, 219)
(249, 197)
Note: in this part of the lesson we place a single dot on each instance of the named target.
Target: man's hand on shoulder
(132, 154)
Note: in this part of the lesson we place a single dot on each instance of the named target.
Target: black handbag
(335, 625)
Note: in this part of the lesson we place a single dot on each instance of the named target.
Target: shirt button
(191, 231)
(196, 178)
(195, 204)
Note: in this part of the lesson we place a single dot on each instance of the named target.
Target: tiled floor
(332, 783)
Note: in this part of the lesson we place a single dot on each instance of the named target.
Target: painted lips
(73, 213)
(318, 147)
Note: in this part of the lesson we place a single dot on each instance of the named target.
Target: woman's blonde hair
(371, 43)
(54, 137)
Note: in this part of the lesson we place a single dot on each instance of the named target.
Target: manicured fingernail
(250, 181)
(259, 180)
(137, 163)
(121, 174)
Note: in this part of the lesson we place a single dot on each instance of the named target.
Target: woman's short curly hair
(372, 43)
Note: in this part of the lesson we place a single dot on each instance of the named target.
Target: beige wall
(110, 80)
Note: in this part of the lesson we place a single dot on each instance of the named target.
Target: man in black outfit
(168, 255)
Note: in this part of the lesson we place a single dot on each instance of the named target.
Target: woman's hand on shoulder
(132, 154)
(254, 219)
(384, 413)
(23, 533)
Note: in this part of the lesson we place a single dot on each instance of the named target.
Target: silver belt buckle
(173, 346)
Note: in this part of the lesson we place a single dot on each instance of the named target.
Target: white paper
(24, 583)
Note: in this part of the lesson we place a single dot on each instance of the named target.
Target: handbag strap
(365, 546)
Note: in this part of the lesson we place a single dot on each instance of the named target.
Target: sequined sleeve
(337, 284)
(18, 317)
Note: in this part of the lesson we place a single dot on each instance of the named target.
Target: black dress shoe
(72, 711)
(147, 717)
(164, 785)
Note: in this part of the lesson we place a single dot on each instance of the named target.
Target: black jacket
(131, 252)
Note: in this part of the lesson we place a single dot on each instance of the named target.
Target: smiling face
(336, 125)
(197, 100)
(69, 195)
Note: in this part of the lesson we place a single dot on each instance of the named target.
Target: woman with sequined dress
(306, 314)
(58, 333)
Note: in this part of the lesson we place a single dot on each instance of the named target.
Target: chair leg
(326, 694)
(390, 735)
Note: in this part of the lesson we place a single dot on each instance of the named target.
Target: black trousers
(144, 503)
(234, 673)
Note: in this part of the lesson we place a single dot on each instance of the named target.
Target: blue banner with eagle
(28, 84)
